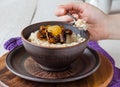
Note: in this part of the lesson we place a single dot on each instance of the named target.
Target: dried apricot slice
(55, 30)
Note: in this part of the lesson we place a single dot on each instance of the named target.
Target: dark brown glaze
(46, 35)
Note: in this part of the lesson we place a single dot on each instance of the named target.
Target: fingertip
(65, 18)
(60, 11)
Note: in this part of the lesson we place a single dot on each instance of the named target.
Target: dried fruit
(55, 30)
(53, 34)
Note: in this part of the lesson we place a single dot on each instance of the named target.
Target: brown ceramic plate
(21, 64)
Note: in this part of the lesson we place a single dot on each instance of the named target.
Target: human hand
(96, 19)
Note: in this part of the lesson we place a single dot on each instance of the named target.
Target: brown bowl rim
(51, 47)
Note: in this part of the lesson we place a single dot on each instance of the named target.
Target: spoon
(74, 19)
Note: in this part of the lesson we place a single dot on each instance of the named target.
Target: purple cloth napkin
(16, 41)
(116, 77)
(12, 43)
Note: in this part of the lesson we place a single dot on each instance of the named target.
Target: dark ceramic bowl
(51, 58)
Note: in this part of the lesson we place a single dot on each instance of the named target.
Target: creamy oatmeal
(81, 24)
(55, 36)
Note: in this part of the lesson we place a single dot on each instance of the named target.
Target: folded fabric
(116, 77)
(12, 43)
(16, 41)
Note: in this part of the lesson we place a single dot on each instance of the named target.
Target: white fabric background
(14, 16)
(46, 8)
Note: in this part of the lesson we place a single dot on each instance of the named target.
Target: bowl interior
(28, 30)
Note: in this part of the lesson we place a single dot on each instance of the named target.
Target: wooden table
(101, 78)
